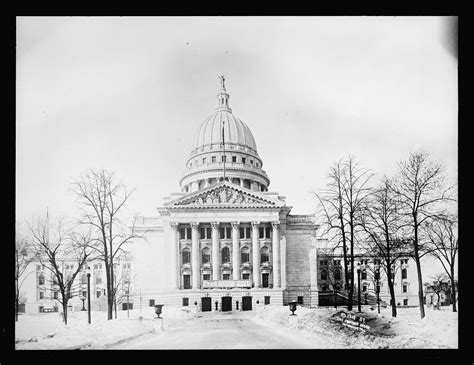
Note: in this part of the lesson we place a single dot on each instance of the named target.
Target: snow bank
(47, 331)
(438, 329)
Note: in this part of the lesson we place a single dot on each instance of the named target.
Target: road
(221, 331)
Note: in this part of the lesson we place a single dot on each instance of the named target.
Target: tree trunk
(453, 288)
(65, 312)
(17, 300)
(392, 291)
(420, 283)
(351, 287)
(418, 269)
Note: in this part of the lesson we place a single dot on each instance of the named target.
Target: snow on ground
(439, 328)
(47, 331)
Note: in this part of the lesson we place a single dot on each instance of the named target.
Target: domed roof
(236, 132)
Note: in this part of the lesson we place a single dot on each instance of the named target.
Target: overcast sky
(129, 94)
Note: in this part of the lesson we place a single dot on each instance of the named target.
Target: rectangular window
(208, 233)
(405, 301)
(242, 232)
(41, 295)
(213, 158)
(234, 158)
(187, 281)
(246, 276)
(228, 232)
(267, 232)
(152, 303)
(247, 232)
(364, 275)
(224, 158)
(204, 160)
(266, 299)
(206, 277)
(404, 273)
(98, 293)
(323, 263)
(55, 295)
(188, 233)
(405, 288)
(185, 302)
(98, 280)
(260, 232)
(203, 233)
(251, 162)
(364, 288)
(225, 276)
(84, 293)
(265, 280)
(300, 299)
(244, 257)
(243, 159)
(182, 233)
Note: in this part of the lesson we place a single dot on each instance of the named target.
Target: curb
(108, 345)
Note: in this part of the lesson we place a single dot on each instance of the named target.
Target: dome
(224, 149)
(236, 133)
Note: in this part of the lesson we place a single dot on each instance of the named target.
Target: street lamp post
(358, 288)
(128, 305)
(88, 296)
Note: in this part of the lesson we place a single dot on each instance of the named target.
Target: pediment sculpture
(223, 195)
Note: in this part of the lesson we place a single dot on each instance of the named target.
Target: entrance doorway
(206, 304)
(226, 304)
(247, 303)
(265, 280)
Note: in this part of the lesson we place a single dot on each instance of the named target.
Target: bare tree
(55, 244)
(442, 234)
(23, 257)
(381, 222)
(439, 285)
(331, 205)
(102, 201)
(341, 203)
(421, 190)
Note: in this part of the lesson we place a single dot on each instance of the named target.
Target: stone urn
(158, 309)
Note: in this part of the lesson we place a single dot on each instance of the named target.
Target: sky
(129, 94)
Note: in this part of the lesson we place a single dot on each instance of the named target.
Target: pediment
(224, 194)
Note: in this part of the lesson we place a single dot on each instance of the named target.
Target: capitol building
(225, 241)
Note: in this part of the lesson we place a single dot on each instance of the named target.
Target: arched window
(264, 257)
(225, 255)
(324, 274)
(245, 255)
(186, 256)
(206, 257)
(41, 279)
(404, 273)
(337, 274)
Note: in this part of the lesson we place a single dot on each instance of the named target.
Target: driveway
(233, 330)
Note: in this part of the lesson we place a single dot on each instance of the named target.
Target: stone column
(283, 261)
(255, 255)
(235, 251)
(195, 254)
(276, 254)
(215, 251)
(174, 255)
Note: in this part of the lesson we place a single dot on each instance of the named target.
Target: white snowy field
(438, 330)
(47, 331)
